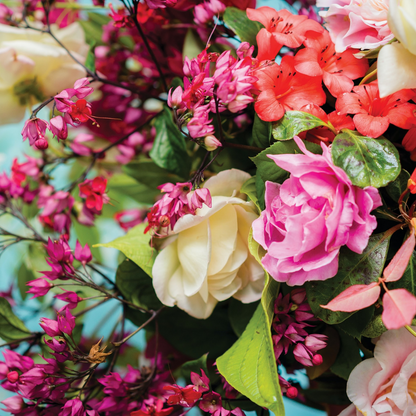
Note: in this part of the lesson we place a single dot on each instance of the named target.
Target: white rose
(207, 258)
(31, 57)
(397, 62)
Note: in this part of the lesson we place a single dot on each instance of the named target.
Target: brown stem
(93, 306)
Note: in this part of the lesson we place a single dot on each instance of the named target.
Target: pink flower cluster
(226, 88)
(311, 216)
(292, 313)
(205, 12)
(178, 201)
(74, 113)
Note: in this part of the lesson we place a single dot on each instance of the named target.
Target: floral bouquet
(214, 210)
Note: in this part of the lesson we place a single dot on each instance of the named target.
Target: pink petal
(355, 298)
(394, 271)
(399, 308)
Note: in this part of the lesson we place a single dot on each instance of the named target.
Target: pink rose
(310, 216)
(360, 24)
(386, 384)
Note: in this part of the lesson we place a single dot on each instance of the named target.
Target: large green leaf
(147, 172)
(355, 324)
(367, 161)
(250, 365)
(243, 27)
(11, 327)
(262, 132)
(135, 246)
(293, 123)
(240, 314)
(24, 275)
(136, 286)
(249, 188)
(353, 269)
(169, 148)
(398, 186)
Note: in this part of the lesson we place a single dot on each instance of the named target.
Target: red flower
(184, 396)
(120, 19)
(320, 59)
(153, 410)
(282, 28)
(373, 114)
(94, 191)
(409, 143)
(282, 88)
(80, 111)
(240, 4)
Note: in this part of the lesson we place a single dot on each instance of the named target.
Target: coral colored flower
(337, 69)
(360, 24)
(94, 192)
(386, 384)
(373, 114)
(310, 216)
(281, 28)
(80, 111)
(282, 88)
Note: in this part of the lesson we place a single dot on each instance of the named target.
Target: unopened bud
(292, 392)
(211, 143)
(317, 359)
(13, 376)
(41, 143)
(175, 97)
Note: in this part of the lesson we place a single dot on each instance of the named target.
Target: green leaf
(262, 132)
(147, 172)
(169, 147)
(135, 246)
(24, 275)
(367, 161)
(195, 366)
(267, 168)
(293, 123)
(192, 45)
(90, 60)
(93, 27)
(242, 26)
(356, 323)
(136, 286)
(398, 186)
(250, 365)
(240, 314)
(260, 191)
(375, 328)
(249, 188)
(353, 269)
(348, 356)
(11, 327)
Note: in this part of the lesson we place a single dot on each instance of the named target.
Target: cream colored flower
(397, 61)
(33, 66)
(207, 258)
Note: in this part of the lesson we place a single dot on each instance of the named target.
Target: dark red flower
(94, 191)
(184, 396)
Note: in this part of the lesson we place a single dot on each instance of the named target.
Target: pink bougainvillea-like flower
(358, 24)
(310, 216)
(386, 384)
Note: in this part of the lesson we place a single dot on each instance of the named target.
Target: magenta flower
(39, 287)
(211, 402)
(51, 327)
(59, 128)
(71, 297)
(34, 130)
(13, 404)
(310, 216)
(66, 324)
(200, 382)
(82, 254)
(73, 407)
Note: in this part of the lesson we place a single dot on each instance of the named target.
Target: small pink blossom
(129, 218)
(71, 297)
(13, 404)
(357, 23)
(59, 127)
(311, 216)
(82, 254)
(35, 130)
(205, 12)
(39, 287)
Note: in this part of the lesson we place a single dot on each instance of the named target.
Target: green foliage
(374, 328)
(169, 148)
(195, 366)
(398, 186)
(348, 356)
(90, 61)
(11, 327)
(136, 286)
(147, 172)
(356, 323)
(135, 246)
(367, 161)
(293, 123)
(241, 25)
(193, 45)
(262, 132)
(93, 27)
(353, 269)
(240, 314)
(250, 365)
(249, 188)
(24, 275)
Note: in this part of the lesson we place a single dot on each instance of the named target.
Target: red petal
(394, 271)
(263, 15)
(371, 126)
(403, 115)
(409, 141)
(268, 108)
(355, 298)
(268, 46)
(306, 62)
(337, 84)
(399, 308)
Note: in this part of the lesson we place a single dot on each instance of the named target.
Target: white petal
(196, 306)
(227, 291)
(224, 230)
(11, 110)
(227, 183)
(252, 275)
(396, 69)
(194, 256)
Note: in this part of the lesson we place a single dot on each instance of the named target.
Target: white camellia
(33, 66)
(396, 64)
(207, 259)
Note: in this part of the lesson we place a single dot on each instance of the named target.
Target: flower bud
(175, 98)
(211, 143)
(292, 392)
(41, 143)
(317, 359)
(13, 376)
